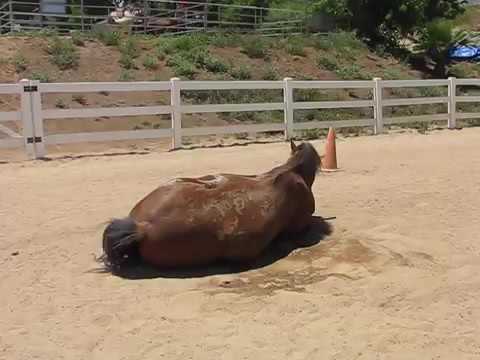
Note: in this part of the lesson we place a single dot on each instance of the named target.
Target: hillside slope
(112, 57)
(109, 57)
(138, 58)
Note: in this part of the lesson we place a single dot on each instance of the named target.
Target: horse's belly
(181, 251)
(246, 237)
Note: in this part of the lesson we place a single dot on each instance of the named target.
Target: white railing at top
(157, 16)
(32, 112)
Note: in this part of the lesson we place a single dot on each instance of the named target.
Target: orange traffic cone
(329, 160)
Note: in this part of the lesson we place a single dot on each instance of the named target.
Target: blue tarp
(464, 53)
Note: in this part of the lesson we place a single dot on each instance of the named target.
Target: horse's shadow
(279, 249)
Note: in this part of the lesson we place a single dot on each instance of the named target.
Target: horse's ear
(293, 146)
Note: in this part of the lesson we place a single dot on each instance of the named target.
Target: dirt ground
(397, 278)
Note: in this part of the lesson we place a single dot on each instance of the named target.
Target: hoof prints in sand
(344, 257)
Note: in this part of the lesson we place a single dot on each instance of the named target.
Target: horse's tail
(121, 240)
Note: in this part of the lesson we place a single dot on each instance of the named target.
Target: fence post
(10, 16)
(82, 21)
(288, 110)
(145, 17)
(205, 17)
(37, 118)
(452, 102)
(27, 120)
(176, 113)
(378, 106)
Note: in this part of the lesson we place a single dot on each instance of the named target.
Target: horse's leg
(302, 220)
(247, 250)
(171, 243)
(182, 251)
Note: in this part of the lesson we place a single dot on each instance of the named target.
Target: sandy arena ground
(397, 279)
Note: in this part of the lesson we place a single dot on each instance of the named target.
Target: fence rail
(32, 113)
(153, 16)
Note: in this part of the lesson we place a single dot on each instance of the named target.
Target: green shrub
(295, 46)
(165, 47)
(161, 54)
(129, 47)
(392, 74)
(432, 91)
(78, 38)
(340, 40)
(219, 40)
(327, 63)
(109, 38)
(150, 62)
(198, 58)
(323, 44)
(345, 39)
(215, 65)
(185, 43)
(41, 76)
(129, 51)
(126, 75)
(182, 66)
(464, 70)
(242, 72)
(20, 63)
(353, 72)
(63, 53)
(224, 40)
(127, 61)
(255, 48)
(186, 54)
(270, 73)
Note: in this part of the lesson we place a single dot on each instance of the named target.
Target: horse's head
(304, 160)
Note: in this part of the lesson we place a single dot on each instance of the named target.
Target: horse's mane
(304, 161)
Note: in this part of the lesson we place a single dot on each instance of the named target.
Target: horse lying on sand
(196, 221)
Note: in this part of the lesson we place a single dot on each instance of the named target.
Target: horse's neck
(282, 169)
(277, 170)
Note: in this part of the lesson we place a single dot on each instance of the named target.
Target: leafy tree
(387, 21)
(438, 38)
(444, 8)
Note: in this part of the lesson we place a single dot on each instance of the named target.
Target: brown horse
(195, 221)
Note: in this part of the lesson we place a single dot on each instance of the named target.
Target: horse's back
(237, 215)
(217, 198)
(178, 192)
(250, 201)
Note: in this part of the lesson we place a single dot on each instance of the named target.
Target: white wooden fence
(32, 114)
